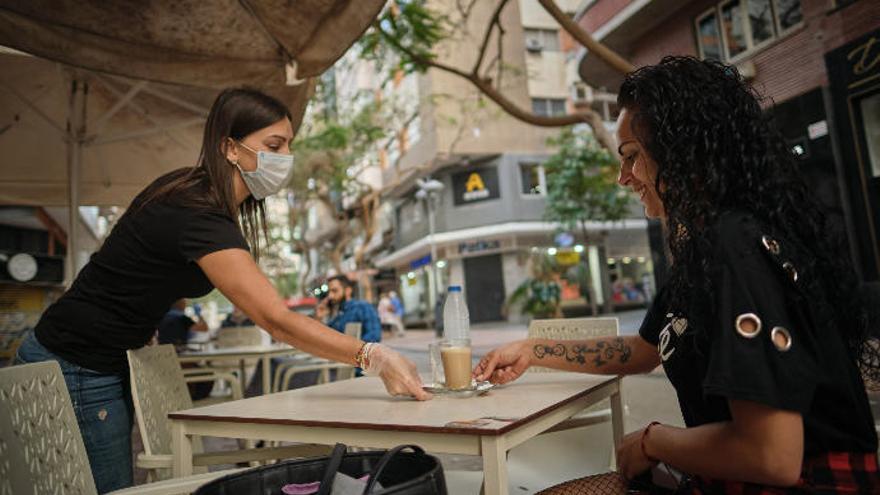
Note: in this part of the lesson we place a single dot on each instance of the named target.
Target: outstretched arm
(237, 276)
(606, 356)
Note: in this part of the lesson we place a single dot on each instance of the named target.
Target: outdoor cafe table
(360, 412)
(263, 352)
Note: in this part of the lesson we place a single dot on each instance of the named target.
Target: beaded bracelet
(644, 436)
(359, 357)
(362, 358)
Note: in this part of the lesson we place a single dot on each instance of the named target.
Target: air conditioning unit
(534, 45)
(581, 94)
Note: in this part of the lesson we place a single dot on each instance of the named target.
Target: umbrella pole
(76, 127)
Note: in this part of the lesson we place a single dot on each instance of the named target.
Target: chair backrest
(157, 388)
(240, 337)
(41, 448)
(572, 329)
(353, 329)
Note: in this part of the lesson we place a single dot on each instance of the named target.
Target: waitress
(188, 232)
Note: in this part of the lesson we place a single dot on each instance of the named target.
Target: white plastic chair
(158, 388)
(576, 447)
(41, 448)
(304, 363)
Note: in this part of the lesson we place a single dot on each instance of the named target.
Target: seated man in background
(175, 326)
(339, 308)
(236, 319)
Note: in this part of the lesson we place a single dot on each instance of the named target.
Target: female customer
(191, 230)
(756, 328)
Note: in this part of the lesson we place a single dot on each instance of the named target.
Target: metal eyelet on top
(781, 338)
(748, 325)
(790, 269)
(770, 244)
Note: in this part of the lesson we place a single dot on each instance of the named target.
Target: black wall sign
(475, 185)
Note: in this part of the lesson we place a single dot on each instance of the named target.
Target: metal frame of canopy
(78, 133)
(167, 42)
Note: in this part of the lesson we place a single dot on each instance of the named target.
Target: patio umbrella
(109, 94)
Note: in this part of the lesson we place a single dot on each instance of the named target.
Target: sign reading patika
(475, 185)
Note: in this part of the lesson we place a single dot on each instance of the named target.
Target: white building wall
(534, 15)
(547, 74)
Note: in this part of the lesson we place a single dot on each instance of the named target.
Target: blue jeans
(103, 408)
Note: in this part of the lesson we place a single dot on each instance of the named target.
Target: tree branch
(611, 57)
(589, 116)
(495, 20)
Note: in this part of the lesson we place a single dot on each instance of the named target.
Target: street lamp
(429, 191)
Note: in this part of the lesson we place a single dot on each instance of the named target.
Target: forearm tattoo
(600, 353)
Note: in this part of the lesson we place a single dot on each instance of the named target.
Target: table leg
(616, 418)
(243, 377)
(267, 383)
(494, 455)
(182, 448)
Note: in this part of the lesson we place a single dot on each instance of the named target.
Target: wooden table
(263, 352)
(359, 412)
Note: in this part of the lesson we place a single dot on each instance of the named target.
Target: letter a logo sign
(475, 188)
(475, 183)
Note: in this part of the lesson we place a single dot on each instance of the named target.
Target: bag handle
(331, 469)
(383, 462)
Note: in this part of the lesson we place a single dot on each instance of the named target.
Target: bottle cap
(454, 288)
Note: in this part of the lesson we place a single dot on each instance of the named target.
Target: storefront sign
(420, 262)
(567, 258)
(818, 129)
(478, 246)
(475, 185)
(564, 239)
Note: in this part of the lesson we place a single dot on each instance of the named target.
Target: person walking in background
(340, 308)
(397, 304)
(388, 315)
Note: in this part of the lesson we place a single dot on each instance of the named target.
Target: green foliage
(286, 284)
(582, 182)
(539, 298)
(405, 37)
(330, 147)
(540, 294)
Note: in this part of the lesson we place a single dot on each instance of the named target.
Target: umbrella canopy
(205, 43)
(110, 94)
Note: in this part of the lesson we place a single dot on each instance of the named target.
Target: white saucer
(440, 389)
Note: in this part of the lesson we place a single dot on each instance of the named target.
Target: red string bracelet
(644, 436)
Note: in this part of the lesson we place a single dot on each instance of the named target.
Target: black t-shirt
(709, 365)
(145, 264)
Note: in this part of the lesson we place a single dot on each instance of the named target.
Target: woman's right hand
(397, 372)
(505, 364)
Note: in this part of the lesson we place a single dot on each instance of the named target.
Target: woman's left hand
(630, 460)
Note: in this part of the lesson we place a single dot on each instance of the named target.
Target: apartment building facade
(817, 61)
(489, 215)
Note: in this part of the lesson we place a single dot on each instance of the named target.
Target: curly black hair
(716, 151)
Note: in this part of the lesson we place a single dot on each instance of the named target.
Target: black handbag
(399, 473)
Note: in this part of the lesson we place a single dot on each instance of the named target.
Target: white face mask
(272, 174)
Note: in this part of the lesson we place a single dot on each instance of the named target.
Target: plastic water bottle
(456, 320)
